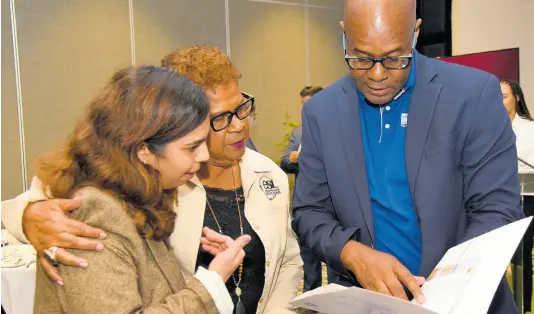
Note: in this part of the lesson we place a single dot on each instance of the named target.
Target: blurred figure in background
(523, 125)
(289, 160)
(522, 122)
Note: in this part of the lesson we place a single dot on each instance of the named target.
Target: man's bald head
(378, 16)
(378, 29)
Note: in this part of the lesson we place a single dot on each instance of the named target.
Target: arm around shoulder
(122, 277)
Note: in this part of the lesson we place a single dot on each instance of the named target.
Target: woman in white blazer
(237, 191)
(522, 122)
(523, 125)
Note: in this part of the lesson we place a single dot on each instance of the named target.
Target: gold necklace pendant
(240, 308)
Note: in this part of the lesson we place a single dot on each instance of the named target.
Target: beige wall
(11, 152)
(68, 49)
(484, 25)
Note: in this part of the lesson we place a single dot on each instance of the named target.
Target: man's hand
(45, 224)
(293, 157)
(380, 272)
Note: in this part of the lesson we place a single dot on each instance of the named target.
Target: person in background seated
(236, 191)
(289, 160)
(523, 125)
(289, 163)
(143, 136)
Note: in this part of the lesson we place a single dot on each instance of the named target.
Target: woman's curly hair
(207, 66)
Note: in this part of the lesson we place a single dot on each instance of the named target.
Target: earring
(142, 159)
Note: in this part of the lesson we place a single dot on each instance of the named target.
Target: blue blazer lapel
(351, 135)
(423, 102)
(422, 105)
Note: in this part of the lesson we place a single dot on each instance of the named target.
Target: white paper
(336, 299)
(471, 290)
(464, 281)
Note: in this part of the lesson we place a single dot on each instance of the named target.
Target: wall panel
(173, 24)
(68, 50)
(327, 63)
(11, 156)
(268, 46)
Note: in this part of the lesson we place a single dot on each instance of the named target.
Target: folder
(464, 281)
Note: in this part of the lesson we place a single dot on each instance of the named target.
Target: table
(526, 180)
(18, 284)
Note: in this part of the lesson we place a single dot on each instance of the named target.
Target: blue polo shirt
(395, 220)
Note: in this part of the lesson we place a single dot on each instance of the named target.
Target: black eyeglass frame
(231, 114)
(380, 60)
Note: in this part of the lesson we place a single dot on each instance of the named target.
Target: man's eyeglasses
(223, 120)
(367, 63)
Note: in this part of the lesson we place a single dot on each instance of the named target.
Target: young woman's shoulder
(101, 209)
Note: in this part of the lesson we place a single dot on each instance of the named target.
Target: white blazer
(524, 132)
(266, 191)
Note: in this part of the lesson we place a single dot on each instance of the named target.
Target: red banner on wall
(504, 64)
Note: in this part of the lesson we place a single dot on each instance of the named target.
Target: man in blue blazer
(402, 159)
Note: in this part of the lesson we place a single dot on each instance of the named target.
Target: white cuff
(13, 210)
(217, 289)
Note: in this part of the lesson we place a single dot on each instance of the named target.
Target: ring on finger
(51, 254)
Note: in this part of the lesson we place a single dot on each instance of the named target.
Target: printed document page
(464, 281)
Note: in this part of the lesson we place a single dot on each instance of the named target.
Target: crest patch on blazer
(404, 120)
(269, 188)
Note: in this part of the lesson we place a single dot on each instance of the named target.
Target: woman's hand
(228, 253)
(214, 242)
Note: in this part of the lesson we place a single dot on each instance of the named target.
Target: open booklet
(464, 281)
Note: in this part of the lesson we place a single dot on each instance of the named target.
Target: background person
(523, 125)
(289, 160)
